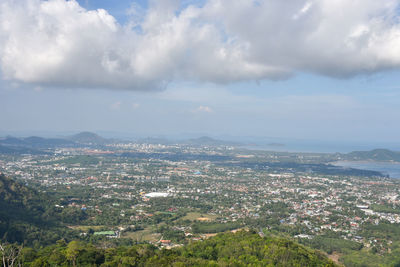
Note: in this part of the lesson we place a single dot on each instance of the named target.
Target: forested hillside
(228, 249)
(373, 155)
(27, 216)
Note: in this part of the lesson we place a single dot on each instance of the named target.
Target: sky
(296, 69)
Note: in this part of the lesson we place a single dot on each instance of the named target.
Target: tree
(9, 254)
(72, 252)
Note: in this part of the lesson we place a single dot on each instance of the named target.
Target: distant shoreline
(391, 168)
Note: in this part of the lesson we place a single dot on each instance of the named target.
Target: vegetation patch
(197, 216)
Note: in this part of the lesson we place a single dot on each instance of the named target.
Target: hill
(88, 138)
(376, 155)
(27, 216)
(228, 249)
(36, 141)
(33, 142)
(12, 141)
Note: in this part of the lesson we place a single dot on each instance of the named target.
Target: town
(169, 195)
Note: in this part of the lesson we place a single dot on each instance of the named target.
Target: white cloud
(203, 109)
(116, 105)
(303, 10)
(59, 43)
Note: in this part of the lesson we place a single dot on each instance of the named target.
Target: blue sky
(265, 83)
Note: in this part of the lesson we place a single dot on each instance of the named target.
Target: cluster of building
(131, 188)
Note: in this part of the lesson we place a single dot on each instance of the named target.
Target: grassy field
(140, 236)
(85, 228)
(143, 235)
(197, 216)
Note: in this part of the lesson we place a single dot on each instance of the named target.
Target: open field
(142, 235)
(197, 216)
(85, 228)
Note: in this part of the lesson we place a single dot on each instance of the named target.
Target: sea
(319, 146)
(387, 168)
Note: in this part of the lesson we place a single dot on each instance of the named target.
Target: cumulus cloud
(60, 43)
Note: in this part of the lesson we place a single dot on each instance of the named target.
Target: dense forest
(244, 248)
(30, 217)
